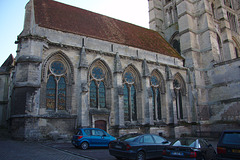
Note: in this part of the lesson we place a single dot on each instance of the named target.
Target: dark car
(228, 146)
(138, 146)
(91, 137)
(189, 149)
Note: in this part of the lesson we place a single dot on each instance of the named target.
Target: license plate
(118, 147)
(236, 150)
(177, 153)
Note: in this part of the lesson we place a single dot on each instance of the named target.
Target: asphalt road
(92, 153)
(51, 150)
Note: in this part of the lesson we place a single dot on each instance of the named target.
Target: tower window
(176, 46)
(232, 21)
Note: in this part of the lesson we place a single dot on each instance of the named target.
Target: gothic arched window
(156, 84)
(56, 86)
(175, 42)
(176, 45)
(178, 94)
(232, 21)
(129, 91)
(97, 88)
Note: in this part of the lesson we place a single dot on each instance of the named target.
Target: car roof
(88, 128)
(231, 131)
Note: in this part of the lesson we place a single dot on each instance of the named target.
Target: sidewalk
(20, 150)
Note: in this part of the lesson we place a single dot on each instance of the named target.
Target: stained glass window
(102, 99)
(154, 80)
(159, 110)
(98, 73)
(93, 94)
(126, 103)
(62, 94)
(130, 107)
(57, 67)
(177, 89)
(176, 84)
(56, 87)
(156, 97)
(129, 77)
(97, 88)
(153, 103)
(133, 103)
(51, 93)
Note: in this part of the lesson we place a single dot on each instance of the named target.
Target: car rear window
(185, 143)
(129, 137)
(231, 138)
(88, 132)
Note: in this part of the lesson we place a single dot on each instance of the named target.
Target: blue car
(91, 137)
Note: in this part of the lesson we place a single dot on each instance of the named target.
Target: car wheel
(119, 158)
(140, 155)
(84, 145)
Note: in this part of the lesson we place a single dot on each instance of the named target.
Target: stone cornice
(26, 84)
(29, 59)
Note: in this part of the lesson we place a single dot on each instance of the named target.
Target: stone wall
(43, 127)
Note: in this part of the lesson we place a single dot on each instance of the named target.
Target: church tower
(206, 34)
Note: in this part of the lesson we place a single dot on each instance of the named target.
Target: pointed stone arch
(181, 83)
(137, 76)
(57, 81)
(160, 78)
(107, 71)
(59, 55)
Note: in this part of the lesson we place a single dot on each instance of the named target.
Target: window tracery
(129, 92)
(56, 86)
(157, 85)
(180, 91)
(97, 88)
(100, 82)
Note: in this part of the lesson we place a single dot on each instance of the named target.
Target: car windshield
(231, 138)
(128, 137)
(185, 143)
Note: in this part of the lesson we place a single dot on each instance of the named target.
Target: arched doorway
(101, 124)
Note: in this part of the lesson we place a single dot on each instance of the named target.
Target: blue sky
(12, 17)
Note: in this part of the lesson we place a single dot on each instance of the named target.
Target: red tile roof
(62, 17)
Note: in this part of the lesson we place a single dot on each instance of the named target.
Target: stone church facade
(82, 69)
